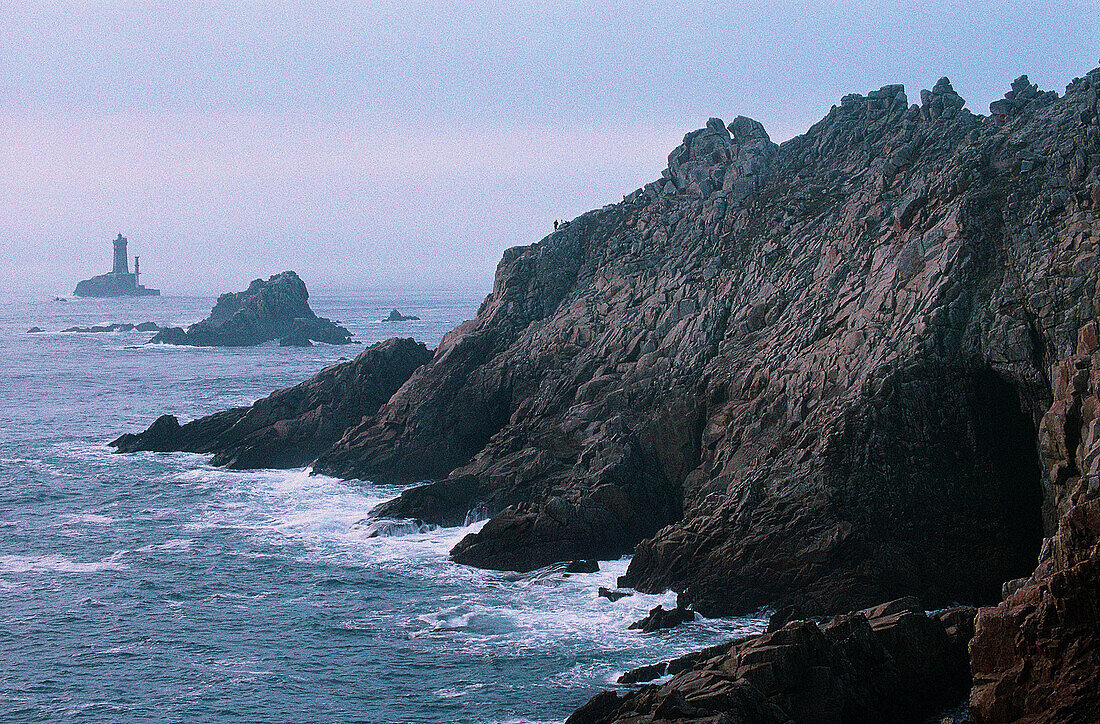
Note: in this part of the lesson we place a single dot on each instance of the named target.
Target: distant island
(396, 316)
(119, 282)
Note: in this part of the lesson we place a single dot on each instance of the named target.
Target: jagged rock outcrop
(815, 369)
(275, 309)
(659, 618)
(290, 427)
(891, 663)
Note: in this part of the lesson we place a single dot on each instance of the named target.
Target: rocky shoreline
(851, 368)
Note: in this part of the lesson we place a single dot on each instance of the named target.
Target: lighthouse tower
(121, 263)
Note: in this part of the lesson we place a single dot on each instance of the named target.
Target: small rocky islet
(858, 367)
(396, 316)
(276, 309)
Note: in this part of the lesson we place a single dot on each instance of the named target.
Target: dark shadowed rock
(644, 673)
(612, 595)
(275, 309)
(290, 427)
(891, 664)
(35, 330)
(449, 502)
(659, 618)
(396, 316)
(297, 337)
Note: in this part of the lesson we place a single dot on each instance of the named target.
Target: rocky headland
(815, 376)
(268, 310)
(290, 427)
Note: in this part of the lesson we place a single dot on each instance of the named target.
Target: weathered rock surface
(291, 427)
(891, 663)
(809, 374)
(275, 309)
(1036, 656)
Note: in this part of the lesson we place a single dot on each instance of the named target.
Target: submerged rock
(274, 309)
(393, 528)
(290, 427)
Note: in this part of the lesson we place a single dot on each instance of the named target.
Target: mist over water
(153, 587)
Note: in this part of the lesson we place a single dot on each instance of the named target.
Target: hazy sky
(369, 144)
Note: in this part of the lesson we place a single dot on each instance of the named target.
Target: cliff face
(808, 374)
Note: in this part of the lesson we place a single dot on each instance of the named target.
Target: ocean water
(156, 588)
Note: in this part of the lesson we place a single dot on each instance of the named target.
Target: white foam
(55, 563)
(179, 544)
(85, 518)
(318, 519)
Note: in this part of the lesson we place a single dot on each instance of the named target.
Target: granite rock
(893, 663)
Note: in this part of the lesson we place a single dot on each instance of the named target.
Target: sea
(154, 587)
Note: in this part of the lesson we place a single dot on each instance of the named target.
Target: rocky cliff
(811, 373)
(275, 309)
(825, 374)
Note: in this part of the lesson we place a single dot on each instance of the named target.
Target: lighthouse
(121, 264)
(119, 282)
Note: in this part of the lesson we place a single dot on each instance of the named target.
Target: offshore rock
(291, 427)
(275, 309)
(659, 618)
(396, 316)
(113, 285)
(117, 327)
(892, 663)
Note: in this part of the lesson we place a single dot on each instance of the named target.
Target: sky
(400, 145)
